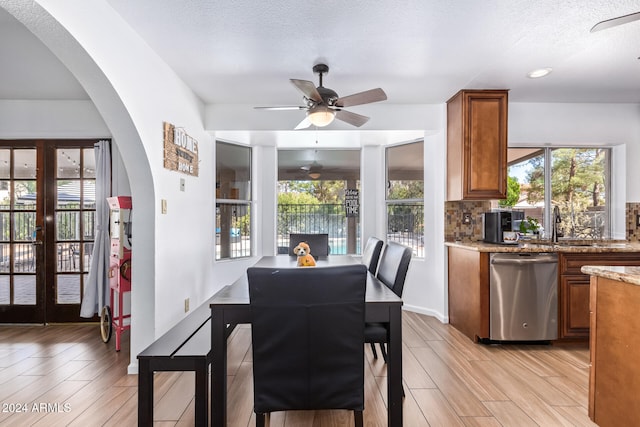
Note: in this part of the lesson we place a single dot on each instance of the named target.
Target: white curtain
(96, 293)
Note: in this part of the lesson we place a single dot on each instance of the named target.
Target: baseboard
(422, 310)
(132, 369)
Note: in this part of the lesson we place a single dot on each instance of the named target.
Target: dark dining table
(230, 306)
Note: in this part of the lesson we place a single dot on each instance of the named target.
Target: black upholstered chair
(307, 333)
(319, 243)
(392, 270)
(371, 254)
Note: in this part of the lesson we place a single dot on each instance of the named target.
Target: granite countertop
(587, 246)
(620, 273)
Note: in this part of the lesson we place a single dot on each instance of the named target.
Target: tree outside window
(578, 185)
(405, 195)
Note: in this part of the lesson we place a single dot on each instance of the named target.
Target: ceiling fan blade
(608, 23)
(351, 118)
(308, 89)
(366, 97)
(284, 107)
(305, 123)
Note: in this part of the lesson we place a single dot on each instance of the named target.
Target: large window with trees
(575, 179)
(405, 195)
(233, 201)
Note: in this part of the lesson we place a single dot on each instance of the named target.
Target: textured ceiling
(418, 51)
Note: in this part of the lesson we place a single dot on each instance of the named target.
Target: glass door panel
(74, 213)
(47, 221)
(21, 295)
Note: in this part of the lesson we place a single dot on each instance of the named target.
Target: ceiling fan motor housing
(329, 97)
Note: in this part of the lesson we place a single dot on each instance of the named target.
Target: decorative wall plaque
(351, 202)
(180, 150)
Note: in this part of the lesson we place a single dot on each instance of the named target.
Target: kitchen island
(614, 375)
(468, 271)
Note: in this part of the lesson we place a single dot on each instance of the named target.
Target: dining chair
(307, 331)
(392, 271)
(371, 254)
(318, 242)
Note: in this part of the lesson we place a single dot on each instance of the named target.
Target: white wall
(21, 119)
(134, 92)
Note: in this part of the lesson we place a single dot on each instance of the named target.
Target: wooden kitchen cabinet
(573, 291)
(614, 372)
(574, 306)
(477, 145)
(469, 292)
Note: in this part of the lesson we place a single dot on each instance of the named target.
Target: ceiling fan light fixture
(321, 115)
(540, 72)
(314, 175)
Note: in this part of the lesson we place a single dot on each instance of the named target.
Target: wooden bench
(185, 347)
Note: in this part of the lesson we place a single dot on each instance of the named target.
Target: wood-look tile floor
(65, 376)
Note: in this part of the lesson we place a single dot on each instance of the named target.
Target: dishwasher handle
(518, 260)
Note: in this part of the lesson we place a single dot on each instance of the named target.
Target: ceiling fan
(313, 171)
(608, 23)
(324, 104)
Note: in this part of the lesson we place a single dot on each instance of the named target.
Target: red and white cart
(119, 269)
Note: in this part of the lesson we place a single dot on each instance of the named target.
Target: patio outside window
(578, 182)
(233, 201)
(405, 195)
(312, 187)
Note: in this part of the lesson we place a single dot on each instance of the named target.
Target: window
(233, 201)
(313, 186)
(405, 195)
(577, 182)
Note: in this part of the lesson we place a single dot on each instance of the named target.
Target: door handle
(37, 242)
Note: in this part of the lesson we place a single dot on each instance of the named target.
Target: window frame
(547, 153)
(418, 249)
(247, 203)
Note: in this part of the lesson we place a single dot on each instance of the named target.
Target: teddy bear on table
(304, 255)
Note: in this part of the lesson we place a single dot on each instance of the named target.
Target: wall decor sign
(180, 150)
(351, 202)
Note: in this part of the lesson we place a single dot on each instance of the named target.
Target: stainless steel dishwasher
(523, 297)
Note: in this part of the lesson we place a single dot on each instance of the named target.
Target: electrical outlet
(163, 206)
(466, 218)
(186, 305)
(182, 184)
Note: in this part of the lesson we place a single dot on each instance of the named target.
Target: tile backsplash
(633, 230)
(455, 227)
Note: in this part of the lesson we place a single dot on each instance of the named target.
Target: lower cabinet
(573, 291)
(573, 304)
(469, 290)
(614, 347)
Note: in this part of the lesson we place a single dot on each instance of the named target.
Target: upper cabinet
(477, 145)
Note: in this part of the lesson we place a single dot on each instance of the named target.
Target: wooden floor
(66, 376)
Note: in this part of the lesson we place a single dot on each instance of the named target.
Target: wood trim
(593, 300)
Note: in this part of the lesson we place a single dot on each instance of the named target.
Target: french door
(47, 213)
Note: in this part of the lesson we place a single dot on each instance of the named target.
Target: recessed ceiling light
(540, 72)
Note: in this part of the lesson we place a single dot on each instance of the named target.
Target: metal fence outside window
(405, 225)
(315, 218)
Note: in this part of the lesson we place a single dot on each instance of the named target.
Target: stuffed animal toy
(304, 255)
